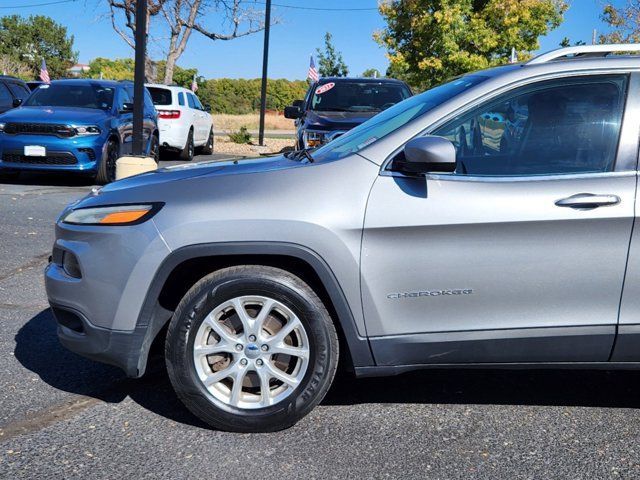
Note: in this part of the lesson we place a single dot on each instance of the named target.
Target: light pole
(138, 79)
(265, 63)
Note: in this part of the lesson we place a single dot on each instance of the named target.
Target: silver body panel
(442, 269)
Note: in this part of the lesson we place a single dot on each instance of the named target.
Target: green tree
(371, 73)
(567, 43)
(430, 41)
(330, 62)
(29, 40)
(118, 69)
(624, 22)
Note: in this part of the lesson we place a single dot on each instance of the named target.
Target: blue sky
(292, 40)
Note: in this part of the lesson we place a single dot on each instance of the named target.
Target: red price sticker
(324, 88)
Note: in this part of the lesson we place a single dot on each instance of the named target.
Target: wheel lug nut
(239, 347)
(259, 362)
(243, 362)
(252, 338)
(265, 348)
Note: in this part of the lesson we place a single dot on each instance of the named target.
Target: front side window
(6, 100)
(72, 95)
(553, 127)
(18, 90)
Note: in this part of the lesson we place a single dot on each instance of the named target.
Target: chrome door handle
(588, 201)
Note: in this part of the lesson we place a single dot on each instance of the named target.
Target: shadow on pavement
(38, 349)
(52, 179)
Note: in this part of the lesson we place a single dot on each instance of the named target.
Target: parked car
(185, 124)
(74, 126)
(333, 106)
(13, 92)
(416, 240)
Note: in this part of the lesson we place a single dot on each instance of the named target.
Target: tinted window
(198, 104)
(124, 96)
(192, 101)
(72, 95)
(181, 99)
(6, 99)
(568, 126)
(18, 90)
(394, 118)
(357, 96)
(160, 96)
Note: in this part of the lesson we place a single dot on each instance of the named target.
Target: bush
(242, 136)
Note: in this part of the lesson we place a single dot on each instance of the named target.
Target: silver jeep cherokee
(488, 221)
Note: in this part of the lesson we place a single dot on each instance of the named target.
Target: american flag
(44, 73)
(313, 72)
(194, 84)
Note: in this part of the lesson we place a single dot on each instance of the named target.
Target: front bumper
(99, 311)
(76, 154)
(121, 349)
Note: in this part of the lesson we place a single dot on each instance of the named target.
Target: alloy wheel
(251, 352)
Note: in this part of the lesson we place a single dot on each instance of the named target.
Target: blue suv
(79, 126)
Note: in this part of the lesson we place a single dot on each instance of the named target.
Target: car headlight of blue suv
(86, 130)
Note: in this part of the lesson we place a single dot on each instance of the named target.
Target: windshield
(357, 96)
(72, 95)
(395, 117)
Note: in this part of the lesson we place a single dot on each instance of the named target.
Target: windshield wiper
(300, 155)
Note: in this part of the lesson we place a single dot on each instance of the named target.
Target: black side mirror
(207, 108)
(429, 154)
(292, 112)
(17, 102)
(126, 107)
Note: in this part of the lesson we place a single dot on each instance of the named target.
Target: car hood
(336, 120)
(200, 169)
(65, 115)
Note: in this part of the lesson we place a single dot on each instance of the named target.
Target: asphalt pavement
(62, 416)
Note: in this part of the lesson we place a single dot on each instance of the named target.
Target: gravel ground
(63, 416)
(273, 145)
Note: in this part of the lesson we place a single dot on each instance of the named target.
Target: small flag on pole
(194, 84)
(514, 56)
(44, 73)
(313, 72)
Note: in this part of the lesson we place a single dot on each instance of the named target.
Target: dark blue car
(79, 126)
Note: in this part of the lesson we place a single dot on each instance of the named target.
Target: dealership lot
(66, 417)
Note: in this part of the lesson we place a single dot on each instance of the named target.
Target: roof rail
(584, 51)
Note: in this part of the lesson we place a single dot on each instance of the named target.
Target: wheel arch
(185, 266)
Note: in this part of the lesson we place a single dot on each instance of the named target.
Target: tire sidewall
(299, 402)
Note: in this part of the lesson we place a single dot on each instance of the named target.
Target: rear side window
(181, 99)
(160, 96)
(554, 127)
(18, 90)
(192, 101)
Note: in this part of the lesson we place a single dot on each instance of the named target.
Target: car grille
(13, 128)
(52, 158)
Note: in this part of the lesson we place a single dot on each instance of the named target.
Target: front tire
(251, 349)
(107, 169)
(207, 148)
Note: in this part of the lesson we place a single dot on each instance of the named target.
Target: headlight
(2, 127)
(313, 139)
(112, 214)
(87, 130)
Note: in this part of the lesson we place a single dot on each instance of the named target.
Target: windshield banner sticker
(325, 88)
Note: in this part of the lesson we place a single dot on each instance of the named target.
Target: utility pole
(138, 81)
(594, 37)
(265, 63)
